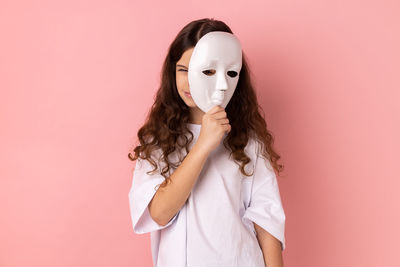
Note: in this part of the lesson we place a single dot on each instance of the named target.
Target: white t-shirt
(215, 225)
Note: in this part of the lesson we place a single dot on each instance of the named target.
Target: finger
(220, 115)
(215, 109)
(223, 121)
(227, 127)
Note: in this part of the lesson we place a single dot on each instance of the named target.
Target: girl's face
(181, 78)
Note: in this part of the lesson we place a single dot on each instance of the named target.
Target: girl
(204, 184)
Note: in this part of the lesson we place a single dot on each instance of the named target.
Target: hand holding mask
(214, 69)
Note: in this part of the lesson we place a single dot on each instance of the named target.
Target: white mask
(221, 54)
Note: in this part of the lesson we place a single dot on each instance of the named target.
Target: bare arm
(270, 246)
(169, 200)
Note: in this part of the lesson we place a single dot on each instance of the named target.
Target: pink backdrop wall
(77, 78)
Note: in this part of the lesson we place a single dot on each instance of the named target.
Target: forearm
(270, 246)
(169, 200)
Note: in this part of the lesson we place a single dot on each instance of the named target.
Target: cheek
(181, 81)
(232, 83)
(204, 83)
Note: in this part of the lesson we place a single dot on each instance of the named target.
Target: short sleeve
(265, 206)
(141, 193)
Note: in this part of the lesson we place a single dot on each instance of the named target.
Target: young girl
(204, 184)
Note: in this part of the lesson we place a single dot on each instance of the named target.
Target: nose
(222, 84)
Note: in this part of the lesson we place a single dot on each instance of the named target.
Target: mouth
(188, 94)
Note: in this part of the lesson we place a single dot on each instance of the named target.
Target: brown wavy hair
(165, 126)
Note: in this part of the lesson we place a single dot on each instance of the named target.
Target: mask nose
(220, 87)
(221, 84)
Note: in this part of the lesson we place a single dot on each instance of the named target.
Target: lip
(188, 94)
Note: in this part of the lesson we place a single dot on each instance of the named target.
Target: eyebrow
(181, 66)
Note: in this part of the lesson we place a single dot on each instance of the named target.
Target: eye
(182, 70)
(232, 73)
(209, 72)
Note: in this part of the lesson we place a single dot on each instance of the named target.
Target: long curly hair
(165, 127)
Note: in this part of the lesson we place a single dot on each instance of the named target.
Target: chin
(191, 104)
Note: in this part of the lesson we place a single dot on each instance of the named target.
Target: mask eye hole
(209, 72)
(232, 73)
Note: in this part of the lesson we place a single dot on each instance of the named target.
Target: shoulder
(146, 162)
(255, 150)
(253, 147)
(251, 150)
(159, 158)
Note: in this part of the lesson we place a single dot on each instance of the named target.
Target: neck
(196, 115)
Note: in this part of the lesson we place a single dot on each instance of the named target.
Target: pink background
(78, 77)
